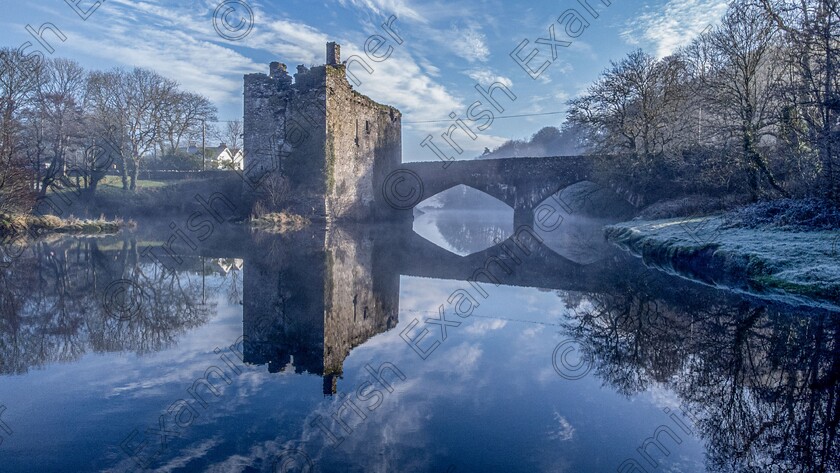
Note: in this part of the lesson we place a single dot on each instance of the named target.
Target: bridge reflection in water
(752, 373)
(760, 378)
(311, 297)
(308, 297)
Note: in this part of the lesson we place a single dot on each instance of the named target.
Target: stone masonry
(331, 145)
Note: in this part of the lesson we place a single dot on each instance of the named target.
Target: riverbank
(279, 222)
(793, 264)
(12, 225)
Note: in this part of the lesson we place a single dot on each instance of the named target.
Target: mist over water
(464, 232)
(573, 356)
(386, 236)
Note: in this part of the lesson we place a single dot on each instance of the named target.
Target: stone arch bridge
(521, 183)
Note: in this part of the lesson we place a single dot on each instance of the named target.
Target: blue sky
(449, 46)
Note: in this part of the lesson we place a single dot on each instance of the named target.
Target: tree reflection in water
(53, 303)
(760, 379)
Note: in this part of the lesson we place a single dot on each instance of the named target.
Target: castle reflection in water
(305, 310)
(309, 298)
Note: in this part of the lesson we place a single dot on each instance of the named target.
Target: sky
(447, 48)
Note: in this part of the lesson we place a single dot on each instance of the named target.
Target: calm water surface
(368, 349)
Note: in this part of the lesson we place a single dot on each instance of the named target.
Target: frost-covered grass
(693, 205)
(768, 261)
(790, 214)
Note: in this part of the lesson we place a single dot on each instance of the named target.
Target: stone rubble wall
(331, 144)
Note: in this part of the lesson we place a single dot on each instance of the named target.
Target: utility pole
(203, 144)
(203, 288)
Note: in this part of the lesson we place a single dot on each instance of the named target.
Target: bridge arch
(522, 183)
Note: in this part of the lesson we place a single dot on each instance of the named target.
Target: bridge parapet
(522, 183)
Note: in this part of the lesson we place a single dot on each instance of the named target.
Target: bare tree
(275, 190)
(108, 118)
(634, 110)
(742, 88)
(631, 103)
(233, 135)
(145, 94)
(144, 110)
(183, 116)
(812, 32)
(19, 76)
(60, 98)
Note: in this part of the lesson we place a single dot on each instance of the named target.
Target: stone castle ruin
(314, 145)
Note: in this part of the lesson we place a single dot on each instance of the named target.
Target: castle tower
(333, 54)
(329, 145)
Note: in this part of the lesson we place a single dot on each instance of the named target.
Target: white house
(221, 157)
(227, 158)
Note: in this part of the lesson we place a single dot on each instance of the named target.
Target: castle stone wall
(331, 145)
(364, 142)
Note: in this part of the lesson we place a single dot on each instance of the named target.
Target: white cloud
(179, 41)
(468, 356)
(429, 68)
(386, 8)
(482, 326)
(290, 41)
(674, 25)
(469, 43)
(401, 82)
(486, 77)
(174, 41)
(199, 66)
(168, 41)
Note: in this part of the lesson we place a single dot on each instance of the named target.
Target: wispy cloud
(673, 25)
(469, 43)
(563, 431)
(487, 77)
(167, 40)
(403, 83)
(386, 8)
(170, 39)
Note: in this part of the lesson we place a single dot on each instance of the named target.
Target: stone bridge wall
(335, 152)
(521, 183)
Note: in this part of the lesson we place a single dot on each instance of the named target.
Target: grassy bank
(153, 199)
(792, 263)
(279, 222)
(18, 224)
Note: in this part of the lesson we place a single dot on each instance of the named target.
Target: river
(373, 348)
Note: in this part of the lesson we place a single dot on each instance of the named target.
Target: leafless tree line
(63, 126)
(751, 106)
